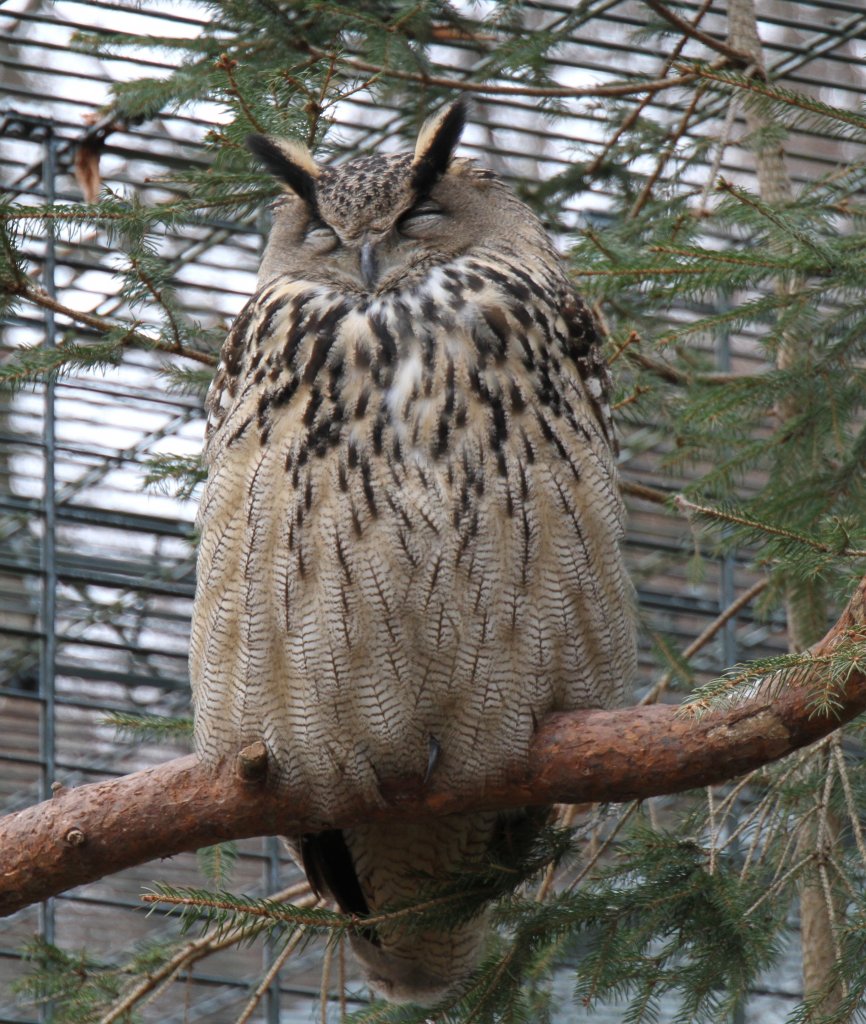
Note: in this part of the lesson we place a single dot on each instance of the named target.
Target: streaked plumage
(409, 533)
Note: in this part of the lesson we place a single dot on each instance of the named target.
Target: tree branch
(31, 292)
(492, 89)
(712, 629)
(693, 32)
(631, 118)
(81, 835)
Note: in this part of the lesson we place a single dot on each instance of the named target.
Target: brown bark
(820, 907)
(82, 834)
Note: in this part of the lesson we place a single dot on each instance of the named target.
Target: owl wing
(584, 348)
(224, 387)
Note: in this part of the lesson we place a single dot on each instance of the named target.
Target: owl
(410, 527)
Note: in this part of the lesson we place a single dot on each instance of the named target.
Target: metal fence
(97, 574)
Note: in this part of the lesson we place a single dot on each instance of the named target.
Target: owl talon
(434, 749)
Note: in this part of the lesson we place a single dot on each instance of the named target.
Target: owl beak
(369, 264)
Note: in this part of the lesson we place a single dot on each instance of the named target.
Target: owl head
(378, 222)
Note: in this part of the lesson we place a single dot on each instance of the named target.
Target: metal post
(48, 605)
(727, 594)
(727, 586)
(272, 1011)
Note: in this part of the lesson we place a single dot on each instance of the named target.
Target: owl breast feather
(408, 532)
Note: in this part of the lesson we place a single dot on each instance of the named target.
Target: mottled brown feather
(411, 523)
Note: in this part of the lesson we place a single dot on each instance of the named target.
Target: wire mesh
(97, 574)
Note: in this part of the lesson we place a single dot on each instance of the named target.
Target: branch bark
(83, 834)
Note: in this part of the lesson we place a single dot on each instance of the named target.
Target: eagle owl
(410, 528)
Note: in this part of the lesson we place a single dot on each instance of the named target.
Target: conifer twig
(228, 64)
(767, 806)
(587, 865)
(632, 116)
(850, 805)
(664, 371)
(654, 85)
(761, 87)
(31, 292)
(264, 913)
(792, 838)
(709, 512)
(757, 816)
(713, 826)
(827, 838)
(337, 923)
(151, 286)
(341, 946)
(673, 138)
(701, 641)
(213, 942)
(693, 32)
(642, 491)
(270, 974)
(779, 883)
(737, 259)
(325, 983)
(566, 814)
(490, 983)
(637, 393)
(842, 875)
(632, 339)
(721, 146)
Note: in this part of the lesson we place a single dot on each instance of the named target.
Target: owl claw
(433, 751)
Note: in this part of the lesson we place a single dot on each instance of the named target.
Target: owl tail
(387, 865)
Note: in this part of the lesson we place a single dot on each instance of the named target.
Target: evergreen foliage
(697, 907)
(139, 727)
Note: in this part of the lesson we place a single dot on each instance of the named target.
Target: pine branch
(653, 494)
(691, 30)
(720, 515)
(706, 636)
(270, 974)
(631, 118)
(673, 139)
(242, 912)
(761, 89)
(30, 292)
(583, 756)
(216, 940)
(655, 85)
(142, 727)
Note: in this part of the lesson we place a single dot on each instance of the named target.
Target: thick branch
(83, 834)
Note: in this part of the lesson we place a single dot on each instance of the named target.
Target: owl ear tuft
(436, 143)
(288, 161)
